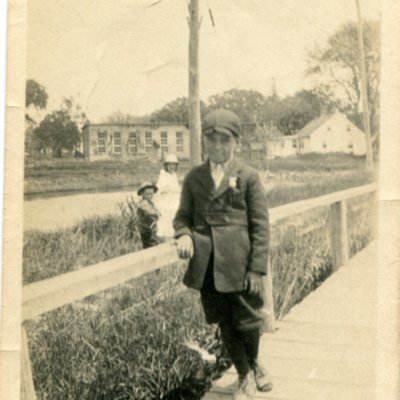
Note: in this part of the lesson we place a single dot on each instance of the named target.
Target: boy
(148, 215)
(222, 226)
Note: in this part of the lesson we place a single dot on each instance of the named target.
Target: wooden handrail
(298, 207)
(49, 294)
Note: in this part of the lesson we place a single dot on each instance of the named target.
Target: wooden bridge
(324, 348)
(321, 350)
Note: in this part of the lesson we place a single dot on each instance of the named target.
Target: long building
(123, 141)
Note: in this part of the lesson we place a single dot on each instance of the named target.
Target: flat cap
(222, 121)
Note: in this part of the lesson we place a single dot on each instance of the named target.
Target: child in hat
(148, 215)
(167, 199)
(222, 226)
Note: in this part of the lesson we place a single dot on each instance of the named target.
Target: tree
(75, 111)
(118, 117)
(36, 96)
(247, 104)
(175, 111)
(336, 67)
(296, 111)
(57, 131)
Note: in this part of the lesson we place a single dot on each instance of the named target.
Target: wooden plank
(298, 389)
(339, 239)
(319, 370)
(298, 207)
(268, 310)
(46, 295)
(315, 351)
(320, 333)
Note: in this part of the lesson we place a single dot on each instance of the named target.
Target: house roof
(139, 124)
(307, 130)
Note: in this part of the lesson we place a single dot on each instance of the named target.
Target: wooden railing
(49, 294)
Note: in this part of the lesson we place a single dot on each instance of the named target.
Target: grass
(47, 176)
(129, 342)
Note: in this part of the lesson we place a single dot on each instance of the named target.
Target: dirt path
(62, 212)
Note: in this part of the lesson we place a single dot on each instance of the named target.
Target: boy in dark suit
(222, 226)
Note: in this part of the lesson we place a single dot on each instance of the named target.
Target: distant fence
(49, 294)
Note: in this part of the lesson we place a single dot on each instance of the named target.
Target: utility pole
(364, 92)
(194, 95)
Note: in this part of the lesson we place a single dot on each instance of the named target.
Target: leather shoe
(242, 392)
(262, 378)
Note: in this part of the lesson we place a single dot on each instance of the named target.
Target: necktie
(217, 174)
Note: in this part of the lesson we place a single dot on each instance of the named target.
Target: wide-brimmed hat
(222, 121)
(146, 185)
(171, 159)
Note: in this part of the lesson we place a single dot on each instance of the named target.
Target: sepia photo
(201, 200)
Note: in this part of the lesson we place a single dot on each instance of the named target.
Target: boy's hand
(253, 282)
(185, 246)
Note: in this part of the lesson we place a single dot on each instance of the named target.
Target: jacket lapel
(205, 178)
(232, 170)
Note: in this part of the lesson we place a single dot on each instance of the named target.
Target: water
(53, 213)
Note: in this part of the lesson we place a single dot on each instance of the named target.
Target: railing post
(27, 387)
(268, 310)
(339, 240)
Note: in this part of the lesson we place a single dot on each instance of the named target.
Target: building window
(164, 142)
(294, 143)
(348, 128)
(350, 145)
(101, 142)
(148, 141)
(328, 128)
(179, 142)
(132, 143)
(117, 142)
(324, 144)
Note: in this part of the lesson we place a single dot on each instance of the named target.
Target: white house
(123, 141)
(330, 133)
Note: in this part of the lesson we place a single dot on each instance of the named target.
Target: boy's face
(219, 147)
(147, 193)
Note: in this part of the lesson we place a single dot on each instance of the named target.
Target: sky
(130, 56)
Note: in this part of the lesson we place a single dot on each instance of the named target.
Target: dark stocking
(251, 341)
(236, 349)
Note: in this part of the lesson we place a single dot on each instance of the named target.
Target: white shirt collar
(223, 165)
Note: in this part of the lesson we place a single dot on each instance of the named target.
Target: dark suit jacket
(231, 222)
